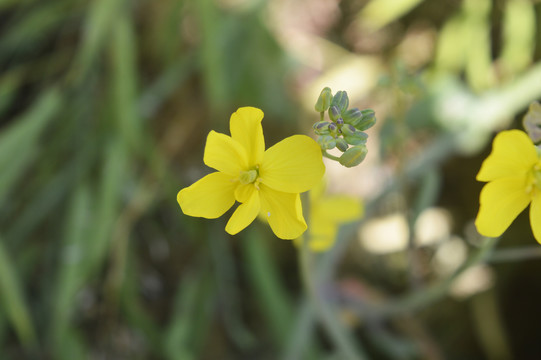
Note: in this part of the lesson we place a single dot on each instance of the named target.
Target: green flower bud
(353, 156)
(326, 142)
(348, 130)
(341, 144)
(324, 100)
(334, 113)
(367, 121)
(322, 127)
(333, 128)
(341, 101)
(352, 116)
(359, 138)
(340, 122)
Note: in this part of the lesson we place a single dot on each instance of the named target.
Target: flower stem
(329, 156)
(515, 254)
(328, 317)
(418, 299)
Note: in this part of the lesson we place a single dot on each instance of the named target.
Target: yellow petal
(321, 238)
(535, 215)
(322, 242)
(225, 154)
(245, 127)
(294, 165)
(244, 215)
(210, 197)
(501, 201)
(244, 192)
(513, 154)
(283, 211)
(322, 235)
(338, 208)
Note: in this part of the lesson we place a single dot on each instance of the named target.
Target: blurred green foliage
(104, 108)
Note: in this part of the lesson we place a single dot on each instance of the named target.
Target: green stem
(421, 298)
(329, 156)
(301, 340)
(516, 254)
(327, 315)
(329, 319)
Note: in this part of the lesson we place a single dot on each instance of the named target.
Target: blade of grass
(164, 86)
(32, 27)
(9, 83)
(164, 46)
(176, 342)
(70, 276)
(212, 48)
(22, 136)
(191, 316)
(102, 15)
(14, 302)
(228, 288)
(41, 206)
(6, 4)
(124, 82)
(133, 309)
(264, 278)
(3, 327)
(114, 170)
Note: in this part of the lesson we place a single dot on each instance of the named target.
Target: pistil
(248, 177)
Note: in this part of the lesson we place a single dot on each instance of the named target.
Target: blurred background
(104, 110)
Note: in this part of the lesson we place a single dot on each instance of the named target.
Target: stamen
(256, 183)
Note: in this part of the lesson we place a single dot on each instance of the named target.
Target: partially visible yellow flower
(327, 213)
(513, 172)
(266, 182)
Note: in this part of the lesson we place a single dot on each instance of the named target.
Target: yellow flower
(327, 213)
(263, 182)
(513, 172)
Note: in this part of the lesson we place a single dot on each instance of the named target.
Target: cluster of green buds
(346, 127)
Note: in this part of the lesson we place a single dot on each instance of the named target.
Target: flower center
(248, 177)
